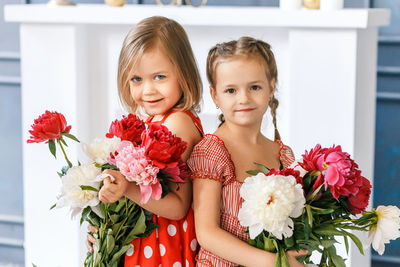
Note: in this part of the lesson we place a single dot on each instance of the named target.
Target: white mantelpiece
(327, 82)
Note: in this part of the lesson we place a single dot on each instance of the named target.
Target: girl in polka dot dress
(242, 76)
(157, 74)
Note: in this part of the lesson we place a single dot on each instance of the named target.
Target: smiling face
(154, 83)
(242, 90)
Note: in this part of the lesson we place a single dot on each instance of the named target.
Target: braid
(273, 104)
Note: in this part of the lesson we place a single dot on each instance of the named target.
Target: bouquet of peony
(150, 157)
(310, 204)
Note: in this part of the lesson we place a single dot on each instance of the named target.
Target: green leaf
(139, 228)
(328, 243)
(284, 260)
(52, 147)
(278, 259)
(253, 172)
(289, 242)
(53, 206)
(88, 188)
(322, 211)
(268, 244)
(262, 167)
(110, 242)
(60, 174)
(309, 215)
(71, 137)
(336, 259)
(356, 241)
(107, 166)
(118, 255)
(34, 265)
(63, 141)
(346, 242)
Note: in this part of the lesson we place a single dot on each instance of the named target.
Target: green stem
(65, 155)
(123, 223)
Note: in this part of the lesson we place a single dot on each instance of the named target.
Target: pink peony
(179, 173)
(312, 160)
(134, 165)
(341, 174)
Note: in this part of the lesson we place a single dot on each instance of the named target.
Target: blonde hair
(169, 36)
(246, 46)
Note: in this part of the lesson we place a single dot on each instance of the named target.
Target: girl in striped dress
(242, 76)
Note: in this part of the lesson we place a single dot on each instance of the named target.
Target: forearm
(172, 206)
(233, 249)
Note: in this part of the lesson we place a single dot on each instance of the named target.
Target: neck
(250, 134)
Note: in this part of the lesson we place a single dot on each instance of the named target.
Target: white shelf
(200, 16)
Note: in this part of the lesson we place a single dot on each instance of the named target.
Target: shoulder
(210, 158)
(212, 147)
(285, 154)
(181, 124)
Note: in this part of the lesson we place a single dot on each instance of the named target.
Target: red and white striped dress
(211, 160)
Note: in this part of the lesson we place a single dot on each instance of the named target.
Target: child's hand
(292, 254)
(90, 240)
(113, 191)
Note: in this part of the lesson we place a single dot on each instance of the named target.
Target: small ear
(213, 94)
(272, 84)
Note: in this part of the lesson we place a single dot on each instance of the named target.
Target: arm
(175, 204)
(206, 200)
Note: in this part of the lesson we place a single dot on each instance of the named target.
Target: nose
(243, 97)
(148, 88)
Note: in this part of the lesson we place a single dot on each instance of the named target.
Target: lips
(153, 101)
(245, 110)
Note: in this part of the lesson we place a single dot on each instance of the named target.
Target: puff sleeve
(211, 160)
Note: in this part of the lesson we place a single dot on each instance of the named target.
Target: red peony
(130, 128)
(287, 172)
(359, 201)
(48, 126)
(162, 147)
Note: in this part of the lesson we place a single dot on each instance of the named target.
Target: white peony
(100, 148)
(72, 194)
(386, 229)
(269, 202)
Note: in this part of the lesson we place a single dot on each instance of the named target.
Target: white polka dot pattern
(148, 252)
(193, 244)
(130, 251)
(171, 230)
(162, 250)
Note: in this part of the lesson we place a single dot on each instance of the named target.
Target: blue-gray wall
(387, 158)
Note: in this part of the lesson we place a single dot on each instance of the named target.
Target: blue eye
(160, 77)
(255, 87)
(136, 79)
(230, 91)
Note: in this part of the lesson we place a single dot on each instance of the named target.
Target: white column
(53, 74)
(332, 98)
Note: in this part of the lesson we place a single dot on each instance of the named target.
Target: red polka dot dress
(174, 243)
(211, 160)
